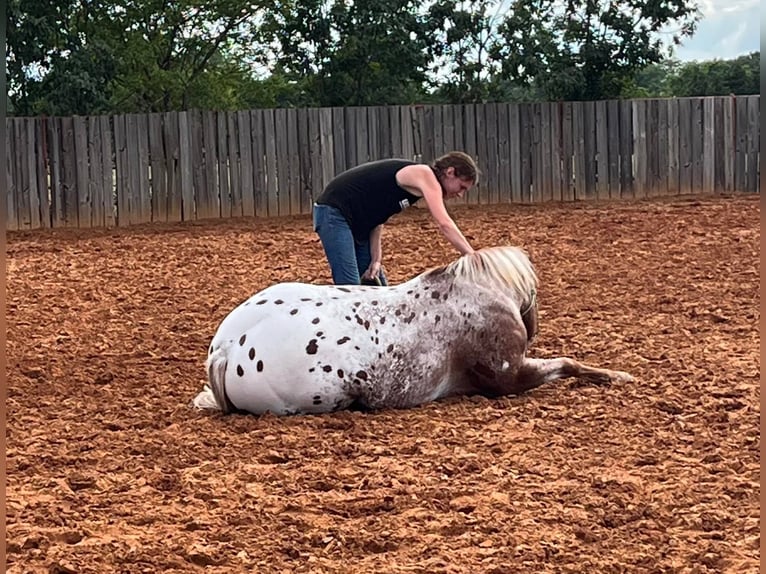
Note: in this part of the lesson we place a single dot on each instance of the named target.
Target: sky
(728, 29)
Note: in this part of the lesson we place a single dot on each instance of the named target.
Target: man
(349, 214)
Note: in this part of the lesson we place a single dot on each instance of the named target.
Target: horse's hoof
(622, 377)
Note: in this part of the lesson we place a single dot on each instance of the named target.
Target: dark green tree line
(91, 56)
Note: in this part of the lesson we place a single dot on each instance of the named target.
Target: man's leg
(338, 243)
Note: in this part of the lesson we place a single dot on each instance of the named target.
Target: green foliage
(82, 57)
(466, 34)
(590, 49)
(741, 76)
(350, 54)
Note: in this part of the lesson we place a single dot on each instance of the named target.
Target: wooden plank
(283, 161)
(408, 136)
(674, 150)
(134, 167)
(458, 122)
(260, 194)
(188, 209)
(224, 165)
(95, 169)
(197, 162)
(525, 146)
(235, 174)
(503, 154)
(546, 167)
(719, 144)
(708, 145)
(209, 195)
(159, 169)
(272, 188)
(144, 189)
(23, 203)
(589, 157)
(482, 153)
(730, 138)
(339, 133)
(41, 165)
(662, 146)
(373, 149)
(697, 140)
(626, 149)
(245, 145)
(108, 172)
(56, 171)
(434, 132)
(305, 182)
(23, 207)
(69, 173)
(384, 147)
(471, 148)
(650, 132)
(613, 143)
(292, 160)
(27, 171)
(602, 150)
(80, 126)
(740, 144)
(11, 145)
(448, 129)
(121, 170)
(753, 144)
(172, 137)
(493, 183)
(362, 136)
(37, 186)
(579, 150)
(396, 137)
(418, 122)
(134, 170)
(536, 153)
(515, 151)
(315, 151)
(327, 144)
(11, 221)
(351, 134)
(684, 145)
(458, 143)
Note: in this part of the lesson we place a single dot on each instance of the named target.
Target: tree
(463, 66)
(741, 76)
(590, 49)
(348, 54)
(129, 56)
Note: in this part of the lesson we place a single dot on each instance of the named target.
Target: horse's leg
(529, 318)
(535, 372)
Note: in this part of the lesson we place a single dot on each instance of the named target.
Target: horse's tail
(213, 395)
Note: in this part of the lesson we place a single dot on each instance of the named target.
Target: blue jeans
(348, 257)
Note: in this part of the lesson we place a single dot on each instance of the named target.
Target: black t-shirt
(368, 195)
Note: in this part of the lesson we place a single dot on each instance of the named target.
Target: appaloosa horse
(459, 329)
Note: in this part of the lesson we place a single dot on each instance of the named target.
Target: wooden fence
(120, 170)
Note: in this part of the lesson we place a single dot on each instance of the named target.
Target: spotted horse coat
(459, 329)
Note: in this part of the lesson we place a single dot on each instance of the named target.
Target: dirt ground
(110, 470)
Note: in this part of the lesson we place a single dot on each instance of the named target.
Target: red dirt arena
(110, 470)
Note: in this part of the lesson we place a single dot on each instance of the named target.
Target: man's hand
(373, 271)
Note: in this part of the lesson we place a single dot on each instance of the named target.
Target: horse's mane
(504, 266)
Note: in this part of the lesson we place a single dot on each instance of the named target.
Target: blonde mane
(504, 266)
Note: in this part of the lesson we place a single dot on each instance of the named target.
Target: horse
(458, 329)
